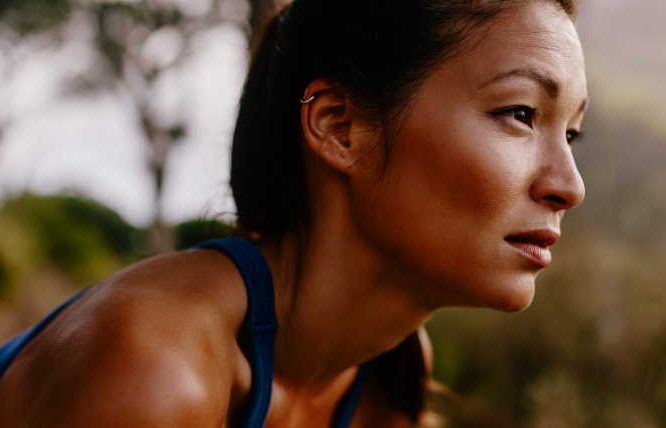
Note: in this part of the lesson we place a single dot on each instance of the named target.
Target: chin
(514, 297)
(507, 294)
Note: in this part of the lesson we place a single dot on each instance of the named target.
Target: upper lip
(542, 237)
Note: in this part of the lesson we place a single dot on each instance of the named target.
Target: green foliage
(78, 238)
(32, 16)
(4, 279)
(192, 232)
(85, 240)
(18, 253)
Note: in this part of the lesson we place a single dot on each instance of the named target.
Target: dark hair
(379, 52)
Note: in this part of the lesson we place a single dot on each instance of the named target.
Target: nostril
(557, 200)
(558, 187)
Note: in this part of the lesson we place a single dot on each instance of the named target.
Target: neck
(338, 305)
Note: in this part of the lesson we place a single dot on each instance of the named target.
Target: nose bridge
(558, 182)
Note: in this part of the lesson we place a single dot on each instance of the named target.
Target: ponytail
(401, 377)
(266, 166)
(267, 178)
(379, 51)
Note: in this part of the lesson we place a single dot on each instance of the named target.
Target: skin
(477, 176)
(406, 235)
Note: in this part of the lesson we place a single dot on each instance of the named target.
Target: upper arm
(137, 391)
(111, 390)
(153, 346)
(126, 366)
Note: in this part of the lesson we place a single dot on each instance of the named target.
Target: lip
(533, 245)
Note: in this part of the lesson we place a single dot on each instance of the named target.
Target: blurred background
(115, 122)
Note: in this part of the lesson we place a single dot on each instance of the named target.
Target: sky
(625, 48)
(91, 146)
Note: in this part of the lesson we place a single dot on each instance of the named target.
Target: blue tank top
(259, 330)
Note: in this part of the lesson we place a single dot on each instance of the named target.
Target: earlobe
(327, 121)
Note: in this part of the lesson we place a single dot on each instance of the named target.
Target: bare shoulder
(192, 284)
(154, 345)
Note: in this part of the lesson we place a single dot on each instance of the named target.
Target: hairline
(393, 119)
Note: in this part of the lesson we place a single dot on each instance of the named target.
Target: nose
(558, 183)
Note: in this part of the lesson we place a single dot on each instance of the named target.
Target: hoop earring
(307, 100)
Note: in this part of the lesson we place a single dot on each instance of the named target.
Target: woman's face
(482, 156)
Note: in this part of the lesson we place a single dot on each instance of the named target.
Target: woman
(390, 158)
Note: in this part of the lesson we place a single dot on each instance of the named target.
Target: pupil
(522, 116)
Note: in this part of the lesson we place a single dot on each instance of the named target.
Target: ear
(336, 131)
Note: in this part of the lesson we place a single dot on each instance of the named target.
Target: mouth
(533, 245)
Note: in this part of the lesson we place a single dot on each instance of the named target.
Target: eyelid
(578, 136)
(510, 109)
(504, 111)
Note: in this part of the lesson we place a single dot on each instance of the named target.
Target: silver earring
(307, 100)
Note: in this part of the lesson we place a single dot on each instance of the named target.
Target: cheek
(442, 205)
(470, 183)
(464, 173)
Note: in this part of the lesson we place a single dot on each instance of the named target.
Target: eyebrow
(547, 83)
(550, 86)
(584, 105)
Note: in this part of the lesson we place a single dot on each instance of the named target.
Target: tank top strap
(260, 328)
(10, 350)
(260, 325)
(346, 407)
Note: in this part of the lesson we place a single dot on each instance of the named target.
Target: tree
(20, 21)
(125, 65)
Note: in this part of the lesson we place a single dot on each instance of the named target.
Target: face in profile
(481, 171)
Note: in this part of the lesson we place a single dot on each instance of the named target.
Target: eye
(573, 136)
(522, 114)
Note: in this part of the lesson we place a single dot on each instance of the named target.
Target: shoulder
(155, 342)
(192, 285)
(184, 302)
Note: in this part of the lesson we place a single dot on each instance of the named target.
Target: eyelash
(529, 114)
(572, 135)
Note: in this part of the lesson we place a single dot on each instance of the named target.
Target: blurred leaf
(84, 239)
(33, 16)
(195, 231)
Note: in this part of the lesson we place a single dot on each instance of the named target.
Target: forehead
(536, 36)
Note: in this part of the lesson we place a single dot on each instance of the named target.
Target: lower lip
(540, 256)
